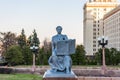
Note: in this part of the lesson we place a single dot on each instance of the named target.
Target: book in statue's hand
(66, 47)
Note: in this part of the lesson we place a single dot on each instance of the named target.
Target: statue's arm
(66, 38)
(53, 46)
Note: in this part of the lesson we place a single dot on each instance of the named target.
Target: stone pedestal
(59, 76)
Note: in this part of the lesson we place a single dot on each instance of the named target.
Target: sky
(44, 16)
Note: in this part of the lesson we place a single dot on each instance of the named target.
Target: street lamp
(103, 41)
(34, 50)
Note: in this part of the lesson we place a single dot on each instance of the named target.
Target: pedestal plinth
(59, 76)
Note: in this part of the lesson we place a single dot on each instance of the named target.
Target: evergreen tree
(34, 39)
(79, 56)
(26, 52)
(27, 55)
(22, 39)
(29, 40)
(98, 57)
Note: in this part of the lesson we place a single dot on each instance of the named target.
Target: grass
(20, 77)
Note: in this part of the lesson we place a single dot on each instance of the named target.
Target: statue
(60, 60)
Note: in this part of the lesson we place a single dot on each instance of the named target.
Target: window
(94, 25)
(94, 33)
(94, 29)
(94, 37)
(98, 21)
(94, 45)
(94, 41)
(98, 33)
(94, 49)
(104, 9)
(94, 21)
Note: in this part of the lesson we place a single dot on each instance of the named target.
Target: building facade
(94, 11)
(112, 28)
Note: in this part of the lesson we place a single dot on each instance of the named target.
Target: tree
(27, 55)
(79, 56)
(44, 53)
(22, 39)
(47, 46)
(29, 40)
(14, 55)
(8, 39)
(115, 56)
(34, 39)
(98, 57)
(40, 56)
(112, 56)
(26, 52)
(108, 56)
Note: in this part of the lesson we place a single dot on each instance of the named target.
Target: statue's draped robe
(58, 62)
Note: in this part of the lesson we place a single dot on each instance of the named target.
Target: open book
(66, 47)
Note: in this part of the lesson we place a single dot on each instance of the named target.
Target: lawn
(20, 77)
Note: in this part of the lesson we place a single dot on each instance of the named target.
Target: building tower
(94, 10)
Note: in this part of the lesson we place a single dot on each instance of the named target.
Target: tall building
(112, 28)
(94, 10)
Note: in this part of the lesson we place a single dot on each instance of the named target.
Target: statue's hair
(58, 27)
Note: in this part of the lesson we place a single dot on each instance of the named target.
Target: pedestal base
(60, 78)
(49, 74)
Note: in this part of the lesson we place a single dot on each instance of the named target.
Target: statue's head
(59, 29)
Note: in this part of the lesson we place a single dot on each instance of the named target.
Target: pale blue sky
(44, 16)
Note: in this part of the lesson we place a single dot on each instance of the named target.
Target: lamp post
(34, 50)
(103, 41)
(34, 46)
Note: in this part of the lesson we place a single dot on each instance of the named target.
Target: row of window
(112, 27)
(104, 0)
(95, 33)
(115, 32)
(98, 9)
(114, 40)
(114, 46)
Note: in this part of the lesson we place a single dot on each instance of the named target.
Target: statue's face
(59, 30)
